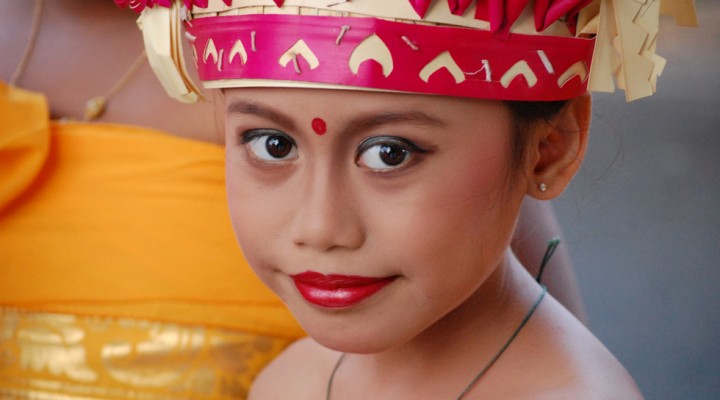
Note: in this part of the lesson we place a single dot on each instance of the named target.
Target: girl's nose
(327, 216)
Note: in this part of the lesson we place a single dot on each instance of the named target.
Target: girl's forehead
(318, 108)
(290, 99)
(342, 113)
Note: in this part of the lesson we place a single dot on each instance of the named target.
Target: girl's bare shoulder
(300, 372)
(561, 359)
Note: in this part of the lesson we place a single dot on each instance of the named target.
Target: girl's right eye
(270, 145)
(387, 153)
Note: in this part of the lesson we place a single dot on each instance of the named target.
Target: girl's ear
(559, 148)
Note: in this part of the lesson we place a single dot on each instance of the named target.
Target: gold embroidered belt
(64, 356)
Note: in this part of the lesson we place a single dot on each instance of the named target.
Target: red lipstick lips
(337, 291)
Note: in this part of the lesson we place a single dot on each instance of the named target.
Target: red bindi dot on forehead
(319, 126)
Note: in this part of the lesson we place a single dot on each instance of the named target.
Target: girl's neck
(445, 358)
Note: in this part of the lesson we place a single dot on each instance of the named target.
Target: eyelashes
(387, 153)
(380, 154)
(270, 145)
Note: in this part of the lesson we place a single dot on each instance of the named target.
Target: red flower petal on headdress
(139, 5)
(458, 7)
(279, 3)
(549, 11)
(420, 6)
(502, 14)
(200, 3)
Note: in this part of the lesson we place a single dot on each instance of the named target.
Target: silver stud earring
(543, 187)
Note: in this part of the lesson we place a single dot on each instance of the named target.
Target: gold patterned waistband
(68, 357)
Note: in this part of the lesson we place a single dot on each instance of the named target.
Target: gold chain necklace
(95, 107)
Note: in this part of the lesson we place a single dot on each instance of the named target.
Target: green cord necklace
(483, 371)
(552, 245)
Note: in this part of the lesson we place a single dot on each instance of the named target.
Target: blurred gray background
(642, 219)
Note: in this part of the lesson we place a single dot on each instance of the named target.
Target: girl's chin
(343, 345)
(360, 340)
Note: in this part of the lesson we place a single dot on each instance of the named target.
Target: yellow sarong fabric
(116, 253)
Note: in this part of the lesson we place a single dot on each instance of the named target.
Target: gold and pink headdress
(525, 50)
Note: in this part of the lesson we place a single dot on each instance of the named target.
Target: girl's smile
(338, 291)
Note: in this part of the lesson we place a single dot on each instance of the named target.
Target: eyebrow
(364, 123)
(243, 107)
(358, 124)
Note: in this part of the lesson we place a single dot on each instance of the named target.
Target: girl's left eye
(386, 153)
(270, 145)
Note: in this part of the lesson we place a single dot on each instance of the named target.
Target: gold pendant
(95, 108)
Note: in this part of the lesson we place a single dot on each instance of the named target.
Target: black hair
(525, 115)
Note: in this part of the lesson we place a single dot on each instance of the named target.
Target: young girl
(388, 239)
(378, 154)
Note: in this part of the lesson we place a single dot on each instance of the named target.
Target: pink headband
(375, 54)
(490, 49)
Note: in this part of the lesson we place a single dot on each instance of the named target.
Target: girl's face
(372, 215)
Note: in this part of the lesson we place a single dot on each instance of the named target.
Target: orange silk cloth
(124, 227)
